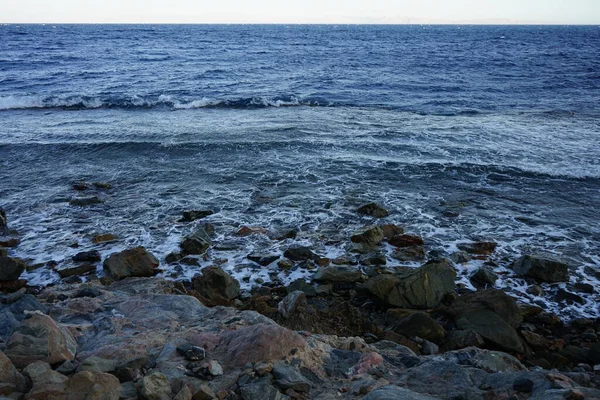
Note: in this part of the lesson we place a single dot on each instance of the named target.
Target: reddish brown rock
(107, 237)
(88, 385)
(133, 262)
(406, 241)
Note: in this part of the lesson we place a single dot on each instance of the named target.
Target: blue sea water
(462, 132)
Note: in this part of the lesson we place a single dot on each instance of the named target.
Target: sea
(462, 132)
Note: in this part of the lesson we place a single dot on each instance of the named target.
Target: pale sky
(301, 11)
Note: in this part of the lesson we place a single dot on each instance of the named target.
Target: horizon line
(313, 23)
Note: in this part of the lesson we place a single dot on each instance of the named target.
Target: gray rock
(299, 253)
(133, 262)
(373, 258)
(483, 277)
(198, 242)
(154, 387)
(263, 259)
(261, 389)
(215, 283)
(192, 215)
(438, 378)
(339, 273)
(290, 303)
(542, 267)
(11, 268)
(479, 248)
(369, 236)
(487, 360)
(411, 253)
(420, 325)
(391, 392)
(424, 288)
(373, 210)
(12, 314)
(288, 377)
(10, 378)
(460, 257)
(459, 339)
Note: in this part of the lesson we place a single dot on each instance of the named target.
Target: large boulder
(46, 383)
(492, 314)
(421, 289)
(39, 338)
(368, 236)
(214, 284)
(10, 379)
(89, 385)
(442, 379)
(542, 267)
(421, 325)
(133, 262)
(11, 268)
(339, 273)
(299, 253)
(12, 313)
(198, 242)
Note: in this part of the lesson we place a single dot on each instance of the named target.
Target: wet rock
(193, 215)
(460, 257)
(391, 230)
(562, 296)
(3, 252)
(155, 387)
(261, 342)
(251, 230)
(373, 258)
(582, 287)
(263, 259)
(423, 288)
(339, 273)
(10, 379)
(85, 201)
(406, 241)
(300, 284)
(102, 185)
(9, 241)
(285, 264)
(300, 253)
(288, 377)
(133, 262)
(173, 257)
(290, 303)
(87, 256)
(373, 210)
(492, 314)
(198, 242)
(39, 338)
(420, 325)
(75, 270)
(104, 238)
(412, 253)
(88, 385)
(215, 283)
(80, 186)
(459, 339)
(391, 392)
(542, 267)
(535, 290)
(479, 248)
(11, 268)
(3, 225)
(369, 236)
(483, 277)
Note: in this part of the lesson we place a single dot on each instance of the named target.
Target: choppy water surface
(294, 127)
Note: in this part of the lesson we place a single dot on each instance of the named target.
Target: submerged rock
(373, 210)
(423, 288)
(85, 201)
(133, 262)
(104, 238)
(192, 215)
(542, 267)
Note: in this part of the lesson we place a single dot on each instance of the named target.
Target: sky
(303, 11)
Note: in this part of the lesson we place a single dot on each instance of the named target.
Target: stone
(214, 368)
(421, 289)
(263, 258)
(12, 380)
(132, 262)
(391, 230)
(154, 387)
(288, 377)
(261, 389)
(98, 364)
(285, 264)
(87, 256)
(198, 242)
(542, 267)
(290, 303)
(46, 383)
(75, 270)
(3, 225)
(406, 241)
(339, 273)
(460, 257)
(535, 290)
(369, 236)
(483, 277)
(486, 360)
(215, 283)
(373, 210)
(85, 201)
(9, 241)
(438, 378)
(11, 268)
(88, 385)
(251, 230)
(263, 368)
(260, 343)
(39, 338)
(204, 392)
(192, 215)
(391, 392)
(373, 258)
(300, 284)
(411, 253)
(478, 248)
(191, 352)
(459, 339)
(104, 238)
(421, 325)
(300, 253)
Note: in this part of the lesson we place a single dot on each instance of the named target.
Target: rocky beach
(353, 327)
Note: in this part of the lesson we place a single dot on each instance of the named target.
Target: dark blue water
(463, 132)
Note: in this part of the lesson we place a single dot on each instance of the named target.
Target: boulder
(406, 241)
(133, 262)
(11, 268)
(459, 339)
(46, 383)
(478, 248)
(339, 273)
(215, 283)
(13, 313)
(154, 387)
(391, 392)
(9, 241)
(421, 325)
(261, 342)
(411, 253)
(487, 360)
(542, 267)
(39, 338)
(373, 210)
(288, 377)
(198, 242)
(88, 385)
(3, 225)
(10, 379)
(192, 215)
(421, 289)
(104, 238)
(483, 277)
(300, 253)
(263, 259)
(369, 236)
(87, 256)
(75, 270)
(290, 303)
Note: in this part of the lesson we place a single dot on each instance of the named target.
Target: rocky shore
(357, 329)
